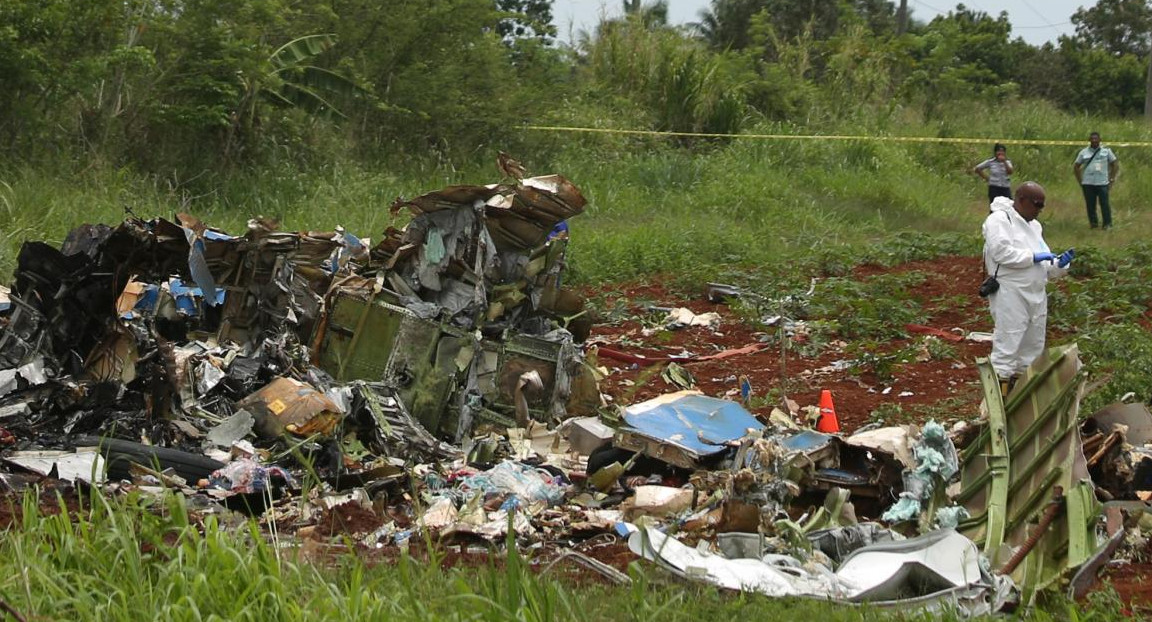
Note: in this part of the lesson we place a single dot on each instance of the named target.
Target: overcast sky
(1036, 21)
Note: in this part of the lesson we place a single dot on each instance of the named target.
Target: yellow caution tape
(894, 139)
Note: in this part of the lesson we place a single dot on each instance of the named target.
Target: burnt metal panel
(428, 363)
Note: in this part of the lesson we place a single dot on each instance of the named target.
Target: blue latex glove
(1038, 257)
(1065, 258)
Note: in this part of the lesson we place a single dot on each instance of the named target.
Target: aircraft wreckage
(440, 372)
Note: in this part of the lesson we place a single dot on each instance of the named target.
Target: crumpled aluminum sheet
(938, 571)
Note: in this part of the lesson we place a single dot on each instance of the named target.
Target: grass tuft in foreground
(142, 558)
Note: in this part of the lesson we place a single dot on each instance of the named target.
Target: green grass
(141, 558)
(654, 208)
(765, 201)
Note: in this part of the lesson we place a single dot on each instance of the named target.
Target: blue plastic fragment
(216, 235)
(696, 422)
(806, 441)
(561, 228)
(351, 241)
(745, 389)
(187, 297)
(198, 267)
(145, 305)
(349, 246)
(198, 264)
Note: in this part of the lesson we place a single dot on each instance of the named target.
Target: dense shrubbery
(178, 87)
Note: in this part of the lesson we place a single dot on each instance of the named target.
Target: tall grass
(653, 207)
(142, 558)
(761, 202)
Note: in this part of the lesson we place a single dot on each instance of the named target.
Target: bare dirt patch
(52, 496)
(348, 518)
(938, 386)
(1133, 583)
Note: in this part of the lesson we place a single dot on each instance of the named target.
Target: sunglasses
(1039, 204)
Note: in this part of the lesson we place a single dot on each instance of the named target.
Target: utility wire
(1046, 23)
(859, 137)
(929, 6)
(1044, 26)
(1038, 14)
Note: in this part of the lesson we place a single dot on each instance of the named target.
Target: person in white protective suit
(1017, 255)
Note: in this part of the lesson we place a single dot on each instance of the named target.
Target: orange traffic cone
(827, 423)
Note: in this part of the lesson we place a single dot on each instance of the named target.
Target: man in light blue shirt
(1096, 168)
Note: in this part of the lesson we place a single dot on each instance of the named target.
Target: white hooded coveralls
(1020, 307)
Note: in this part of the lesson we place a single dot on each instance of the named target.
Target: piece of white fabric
(1020, 307)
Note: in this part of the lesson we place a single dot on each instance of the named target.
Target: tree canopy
(183, 84)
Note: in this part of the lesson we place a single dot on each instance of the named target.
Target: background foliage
(181, 88)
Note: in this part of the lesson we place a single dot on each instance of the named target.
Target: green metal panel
(379, 341)
(424, 375)
(999, 460)
(1083, 509)
(1030, 446)
(427, 362)
(344, 352)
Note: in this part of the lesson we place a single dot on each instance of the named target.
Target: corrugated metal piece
(1030, 447)
(518, 217)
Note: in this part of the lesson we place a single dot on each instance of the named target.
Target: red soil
(856, 396)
